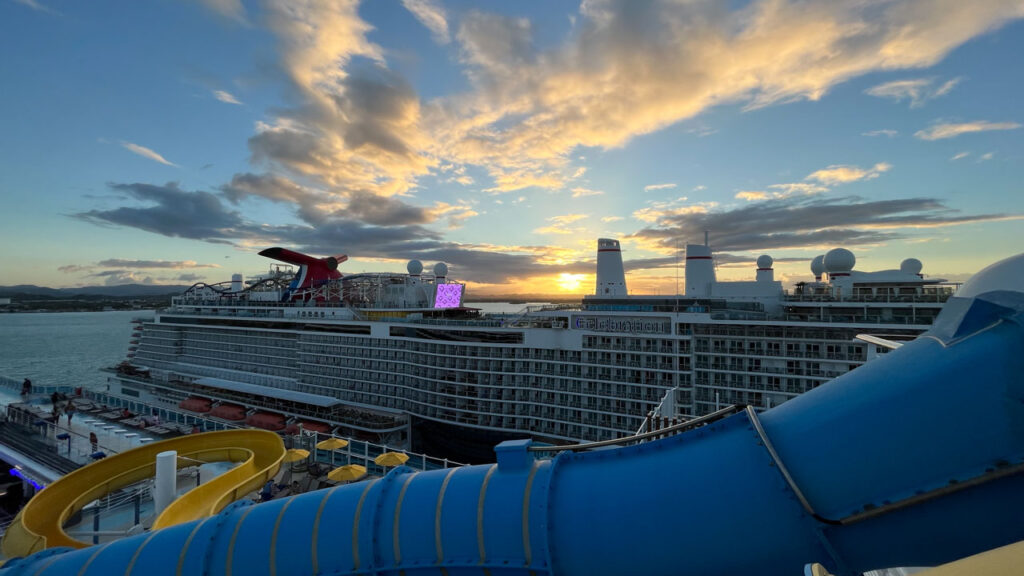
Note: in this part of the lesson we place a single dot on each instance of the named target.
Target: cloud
(146, 153)
(960, 155)
(168, 264)
(986, 156)
(431, 15)
(74, 268)
(355, 125)
(842, 174)
(118, 277)
(230, 9)
(580, 192)
(225, 97)
(917, 91)
(803, 222)
(172, 212)
(634, 68)
(884, 132)
(33, 4)
(612, 218)
(951, 130)
(751, 195)
(666, 186)
(189, 277)
(560, 225)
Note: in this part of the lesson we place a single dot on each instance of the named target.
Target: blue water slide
(913, 459)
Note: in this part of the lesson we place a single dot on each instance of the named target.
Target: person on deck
(94, 441)
(26, 387)
(69, 410)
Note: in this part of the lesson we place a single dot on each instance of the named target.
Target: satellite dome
(839, 260)
(764, 261)
(818, 265)
(440, 269)
(911, 266)
(414, 267)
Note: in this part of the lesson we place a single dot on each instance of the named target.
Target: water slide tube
(39, 525)
(914, 459)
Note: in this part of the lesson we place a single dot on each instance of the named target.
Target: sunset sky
(168, 142)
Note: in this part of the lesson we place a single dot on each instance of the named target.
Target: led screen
(448, 296)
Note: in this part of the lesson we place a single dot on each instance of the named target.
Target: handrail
(689, 424)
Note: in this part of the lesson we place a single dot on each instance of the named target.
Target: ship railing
(651, 435)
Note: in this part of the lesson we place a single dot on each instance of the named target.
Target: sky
(168, 142)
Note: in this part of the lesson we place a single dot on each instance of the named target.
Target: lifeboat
(196, 404)
(232, 412)
(266, 420)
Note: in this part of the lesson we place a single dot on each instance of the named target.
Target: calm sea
(66, 348)
(69, 348)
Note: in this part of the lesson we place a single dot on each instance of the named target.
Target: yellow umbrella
(391, 459)
(332, 444)
(347, 473)
(296, 455)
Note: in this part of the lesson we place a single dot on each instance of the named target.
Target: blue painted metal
(912, 459)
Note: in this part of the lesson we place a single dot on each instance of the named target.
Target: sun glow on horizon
(570, 282)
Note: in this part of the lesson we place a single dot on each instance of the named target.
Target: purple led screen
(448, 296)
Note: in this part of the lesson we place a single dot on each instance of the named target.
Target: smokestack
(611, 279)
(700, 270)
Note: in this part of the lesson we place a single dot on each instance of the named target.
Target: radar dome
(911, 266)
(818, 265)
(440, 269)
(839, 260)
(764, 261)
(414, 267)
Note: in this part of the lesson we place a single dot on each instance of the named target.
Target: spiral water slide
(914, 459)
(39, 525)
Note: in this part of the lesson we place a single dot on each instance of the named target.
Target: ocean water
(66, 348)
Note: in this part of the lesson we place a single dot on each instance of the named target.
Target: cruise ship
(401, 359)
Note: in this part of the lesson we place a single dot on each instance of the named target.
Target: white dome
(818, 265)
(764, 261)
(440, 269)
(839, 260)
(911, 266)
(414, 267)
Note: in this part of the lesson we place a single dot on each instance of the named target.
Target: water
(65, 349)
(503, 307)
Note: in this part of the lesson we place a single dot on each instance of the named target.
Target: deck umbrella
(347, 473)
(295, 455)
(391, 459)
(331, 444)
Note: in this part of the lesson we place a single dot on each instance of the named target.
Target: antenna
(677, 266)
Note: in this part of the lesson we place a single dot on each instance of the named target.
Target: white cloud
(146, 153)
(698, 188)
(33, 4)
(960, 155)
(841, 174)
(225, 97)
(634, 68)
(986, 156)
(580, 192)
(952, 130)
(431, 15)
(612, 218)
(917, 91)
(666, 186)
(884, 132)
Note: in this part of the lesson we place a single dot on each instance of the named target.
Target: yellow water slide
(40, 523)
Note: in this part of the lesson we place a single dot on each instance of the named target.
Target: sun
(569, 282)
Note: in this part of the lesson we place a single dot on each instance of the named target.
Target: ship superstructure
(400, 358)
